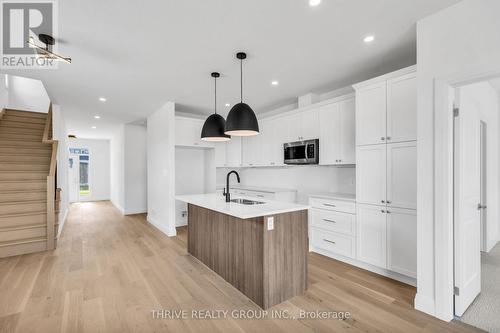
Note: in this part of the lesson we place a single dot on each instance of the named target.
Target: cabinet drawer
(336, 205)
(264, 195)
(333, 242)
(343, 223)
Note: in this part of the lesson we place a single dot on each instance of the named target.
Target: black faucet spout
(228, 195)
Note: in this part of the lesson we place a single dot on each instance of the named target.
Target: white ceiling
(141, 54)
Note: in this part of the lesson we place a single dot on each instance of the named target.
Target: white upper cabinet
(220, 154)
(303, 125)
(252, 150)
(329, 120)
(188, 133)
(272, 141)
(371, 185)
(402, 175)
(371, 114)
(337, 133)
(402, 108)
(402, 241)
(372, 235)
(233, 152)
(347, 132)
(386, 108)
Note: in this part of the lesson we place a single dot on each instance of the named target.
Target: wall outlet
(270, 223)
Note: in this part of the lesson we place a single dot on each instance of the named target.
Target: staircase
(27, 183)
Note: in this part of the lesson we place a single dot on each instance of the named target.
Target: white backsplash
(304, 178)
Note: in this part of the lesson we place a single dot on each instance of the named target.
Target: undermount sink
(247, 202)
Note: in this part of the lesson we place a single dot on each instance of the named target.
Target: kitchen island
(259, 248)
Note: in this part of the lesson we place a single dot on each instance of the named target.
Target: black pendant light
(241, 120)
(213, 129)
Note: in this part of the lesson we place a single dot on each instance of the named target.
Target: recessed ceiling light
(94, 127)
(369, 39)
(228, 105)
(102, 99)
(275, 83)
(314, 3)
(97, 117)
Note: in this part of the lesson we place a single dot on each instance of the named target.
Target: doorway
(475, 183)
(79, 175)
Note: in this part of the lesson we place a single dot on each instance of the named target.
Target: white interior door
(467, 213)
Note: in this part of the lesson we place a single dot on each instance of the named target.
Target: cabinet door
(220, 154)
(293, 127)
(272, 142)
(310, 124)
(252, 150)
(402, 175)
(402, 108)
(372, 238)
(188, 133)
(329, 120)
(402, 241)
(371, 174)
(371, 114)
(347, 132)
(267, 136)
(233, 152)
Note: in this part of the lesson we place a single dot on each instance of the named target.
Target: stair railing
(51, 179)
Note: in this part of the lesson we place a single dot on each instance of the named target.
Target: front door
(467, 209)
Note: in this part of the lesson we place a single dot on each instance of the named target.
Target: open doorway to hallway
(476, 199)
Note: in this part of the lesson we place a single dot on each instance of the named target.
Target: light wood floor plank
(110, 272)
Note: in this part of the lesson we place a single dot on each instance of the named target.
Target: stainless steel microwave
(302, 152)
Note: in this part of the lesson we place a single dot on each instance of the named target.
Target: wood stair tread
(40, 212)
(23, 241)
(24, 202)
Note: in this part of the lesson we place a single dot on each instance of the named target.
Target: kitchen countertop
(257, 188)
(334, 196)
(216, 202)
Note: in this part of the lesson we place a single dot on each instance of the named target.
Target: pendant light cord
(215, 101)
(241, 80)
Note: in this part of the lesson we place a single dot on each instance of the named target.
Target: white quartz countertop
(334, 196)
(217, 202)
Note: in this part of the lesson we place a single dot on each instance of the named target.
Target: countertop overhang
(216, 202)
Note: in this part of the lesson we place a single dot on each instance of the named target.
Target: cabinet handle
(383, 201)
(389, 201)
(388, 138)
(340, 161)
(329, 241)
(383, 211)
(329, 205)
(382, 138)
(260, 195)
(388, 212)
(331, 221)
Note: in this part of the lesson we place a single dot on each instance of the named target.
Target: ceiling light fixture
(213, 128)
(275, 83)
(102, 99)
(369, 39)
(94, 127)
(314, 3)
(241, 120)
(46, 52)
(97, 117)
(228, 105)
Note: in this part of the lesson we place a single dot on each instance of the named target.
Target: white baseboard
(134, 211)
(117, 206)
(425, 304)
(162, 228)
(381, 271)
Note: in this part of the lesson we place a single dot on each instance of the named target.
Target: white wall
(4, 94)
(27, 94)
(305, 179)
(117, 165)
(135, 170)
(99, 166)
(463, 37)
(60, 134)
(161, 168)
(482, 99)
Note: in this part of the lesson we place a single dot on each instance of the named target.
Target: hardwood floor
(110, 272)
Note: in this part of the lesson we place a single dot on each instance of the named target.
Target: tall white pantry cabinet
(386, 173)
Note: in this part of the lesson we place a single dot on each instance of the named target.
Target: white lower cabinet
(402, 241)
(333, 242)
(372, 235)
